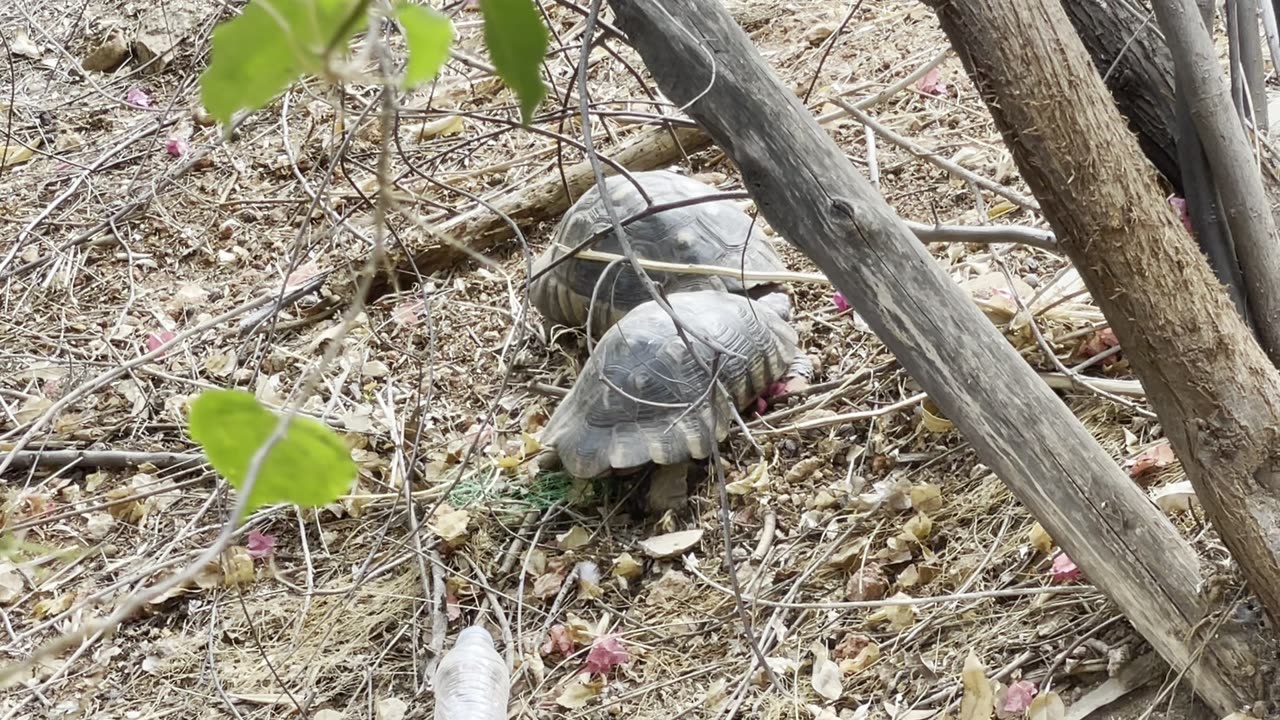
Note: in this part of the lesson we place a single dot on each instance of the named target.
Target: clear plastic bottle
(472, 682)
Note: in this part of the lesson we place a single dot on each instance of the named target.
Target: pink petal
(176, 147)
(1019, 696)
(558, 641)
(1180, 205)
(156, 339)
(605, 654)
(931, 84)
(259, 544)
(841, 303)
(1064, 569)
(138, 97)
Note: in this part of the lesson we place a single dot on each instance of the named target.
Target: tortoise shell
(631, 404)
(715, 232)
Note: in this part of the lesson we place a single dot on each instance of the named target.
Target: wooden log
(813, 196)
(483, 227)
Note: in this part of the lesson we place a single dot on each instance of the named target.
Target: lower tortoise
(642, 397)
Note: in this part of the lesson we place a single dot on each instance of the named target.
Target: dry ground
(348, 612)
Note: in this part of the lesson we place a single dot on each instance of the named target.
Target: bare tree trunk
(813, 196)
(1217, 394)
(1239, 180)
(1127, 50)
(1134, 62)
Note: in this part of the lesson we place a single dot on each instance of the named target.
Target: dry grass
(358, 598)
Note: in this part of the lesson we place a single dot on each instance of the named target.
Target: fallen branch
(484, 227)
(98, 458)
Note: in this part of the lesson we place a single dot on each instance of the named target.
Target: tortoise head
(775, 297)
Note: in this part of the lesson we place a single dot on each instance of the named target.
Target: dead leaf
(11, 155)
(893, 492)
(22, 45)
(918, 528)
(548, 585)
(916, 575)
(10, 583)
(673, 587)
(1157, 456)
(715, 697)
(1176, 497)
(625, 566)
(756, 479)
(450, 525)
(926, 498)
(671, 544)
(868, 583)
(1040, 539)
(358, 420)
(826, 674)
(865, 658)
(578, 692)
(978, 702)
(804, 469)
(220, 364)
(1047, 707)
(237, 567)
(441, 127)
(849, 555)
(32, 408)
(391, 709)
(375, 369)
(575, 537)
(908, 713)
(190, 295)
(98, 524)
(900, 617)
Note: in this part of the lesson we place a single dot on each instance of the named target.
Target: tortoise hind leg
(800, 373)
(668, 488)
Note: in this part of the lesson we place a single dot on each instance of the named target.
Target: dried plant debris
(442, 385)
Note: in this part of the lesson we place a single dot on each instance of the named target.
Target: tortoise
(715, 232)
(642, 397)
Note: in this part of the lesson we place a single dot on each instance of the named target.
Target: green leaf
(259, 54)
(428, 35)
(309, 466)
(517, 42)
